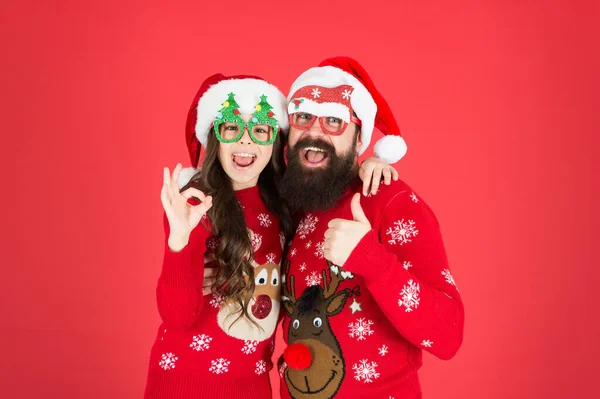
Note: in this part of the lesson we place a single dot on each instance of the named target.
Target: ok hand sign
(183, 217)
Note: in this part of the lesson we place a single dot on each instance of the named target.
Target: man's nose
(315, 130)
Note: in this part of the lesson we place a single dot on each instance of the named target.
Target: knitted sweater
(199, 352)
(366, 324)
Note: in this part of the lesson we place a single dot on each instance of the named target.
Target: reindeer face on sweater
(263, 308)
(309, 326)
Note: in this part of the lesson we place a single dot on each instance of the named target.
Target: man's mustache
(310, 142)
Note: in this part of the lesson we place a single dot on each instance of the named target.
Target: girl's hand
(371, 171)
(183, 217)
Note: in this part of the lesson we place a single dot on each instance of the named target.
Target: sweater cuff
(365, 258)
(177, 267)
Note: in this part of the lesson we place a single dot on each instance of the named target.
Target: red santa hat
(357, 93)
(209, 100)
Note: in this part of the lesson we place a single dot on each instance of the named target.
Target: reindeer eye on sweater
(275, 278)
(317, 322)
(296, 324)
(261, 278)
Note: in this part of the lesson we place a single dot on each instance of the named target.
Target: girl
(230, 217)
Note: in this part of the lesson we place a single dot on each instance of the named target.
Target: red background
(498, 104)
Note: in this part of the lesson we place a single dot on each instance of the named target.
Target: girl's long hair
(227, 220)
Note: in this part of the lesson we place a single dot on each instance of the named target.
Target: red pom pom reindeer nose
(297, 356)
(262, 306)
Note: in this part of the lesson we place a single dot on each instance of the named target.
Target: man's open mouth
(314, 156)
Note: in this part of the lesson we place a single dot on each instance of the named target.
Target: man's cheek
(294, 136)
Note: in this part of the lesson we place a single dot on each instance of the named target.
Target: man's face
(320, 167)
(316, 157)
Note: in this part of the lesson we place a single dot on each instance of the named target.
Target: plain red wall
(498, 102)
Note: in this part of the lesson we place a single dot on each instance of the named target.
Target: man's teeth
(244, 155)
(314, 149)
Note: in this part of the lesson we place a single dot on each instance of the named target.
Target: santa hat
(209, 100)
(311, 93)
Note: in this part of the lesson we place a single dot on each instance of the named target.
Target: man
(366, 283)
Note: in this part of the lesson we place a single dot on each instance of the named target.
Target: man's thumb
(357, 211)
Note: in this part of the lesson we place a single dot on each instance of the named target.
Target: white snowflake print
(402, 232)
(346, 94)
(249, 347)
(167, 361)
(217, 300)
(410, 296)
(315, 93)
(308, 244)
(261, 367)
(313, 279)
(303, 267)
(200, 342)
(293, 252)
(448, 277)
(383, 350)
(219, 366)
(406, 265)
(427, 343)
(271, 258)
(365, 371)
(319, 250)
(282, 369)
(265, 220)
(361, 329)
(163, 337)
(256, 241)
(414, 198)
(307, 226)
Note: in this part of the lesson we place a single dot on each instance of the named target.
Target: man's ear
(359, 142)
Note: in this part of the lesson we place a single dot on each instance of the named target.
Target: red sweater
(198, 353)
(366, 323)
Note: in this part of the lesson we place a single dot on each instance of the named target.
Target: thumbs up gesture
(342, 235)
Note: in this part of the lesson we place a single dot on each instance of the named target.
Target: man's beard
(312, 189)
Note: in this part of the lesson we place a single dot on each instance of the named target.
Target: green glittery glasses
(262, 127)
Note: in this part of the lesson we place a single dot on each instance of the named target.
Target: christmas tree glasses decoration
(262, 127)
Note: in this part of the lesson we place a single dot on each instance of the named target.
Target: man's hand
(343, 235)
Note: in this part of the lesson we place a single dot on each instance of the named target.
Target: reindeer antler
(331, 287)
(291, 296)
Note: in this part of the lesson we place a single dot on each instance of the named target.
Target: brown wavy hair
(227, 220)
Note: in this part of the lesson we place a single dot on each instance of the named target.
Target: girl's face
(244, 160)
